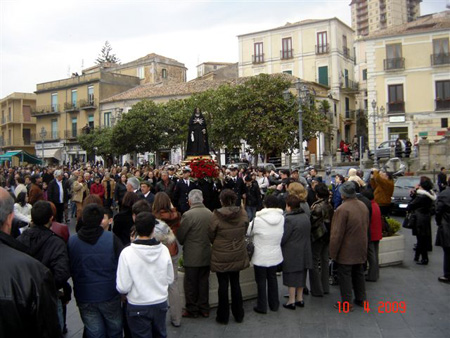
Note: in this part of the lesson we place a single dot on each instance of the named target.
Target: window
(54, 129)
(107, 119)
(364, 74)
(346, 78)
(258, 57)
(9, 136)
(396, 102)
(286, 51)
(440, 52)
(347, 108)
(287, 72)
(344, 46)
(26, 113)
(322, 43)
(164, 73)
(323, 75)
(140, 72)
(444, 122)
(91, 95)
(394, 58)
(74, 98)
(54, 101)
(74, 127)
(91, 121)
(443, 94)
(9, 114)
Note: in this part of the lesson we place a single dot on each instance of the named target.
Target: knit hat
(348, 190)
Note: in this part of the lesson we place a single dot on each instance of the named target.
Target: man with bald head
(28, 304)
(57, 193)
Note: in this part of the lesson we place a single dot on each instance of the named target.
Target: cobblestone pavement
(427, 310)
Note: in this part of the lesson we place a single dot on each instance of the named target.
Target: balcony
(442, 104)
(53, 109)
(51, 136)
(383, 18)
(350, 85)
(286, 54)
(88, 104)
(258, 58)
(322, 49)
(394, 64)
(70, 107)
(347, 53)
(350, 115)
(396, 107)
(74, 133)
(440, 59)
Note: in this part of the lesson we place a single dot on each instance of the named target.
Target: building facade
(318, 51)
(408, 79)
(369, 16)
(18, 126)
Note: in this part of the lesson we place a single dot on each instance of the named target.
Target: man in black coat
(28, 304)
(235, 183)
(146, 192)
(182, 189)
(58, 195)
(171, 172)
(442, 179)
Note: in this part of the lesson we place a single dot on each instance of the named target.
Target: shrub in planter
(394, 227)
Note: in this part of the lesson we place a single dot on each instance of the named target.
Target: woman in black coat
(297, 253)
(443, 233)
(422, 204)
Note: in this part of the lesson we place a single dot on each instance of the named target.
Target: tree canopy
(106, 55)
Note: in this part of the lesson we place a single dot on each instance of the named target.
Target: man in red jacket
(97, 188)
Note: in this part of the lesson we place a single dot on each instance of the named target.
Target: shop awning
(22, 155)
(51, 153)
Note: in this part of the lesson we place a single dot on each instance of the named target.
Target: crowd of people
(136, 225)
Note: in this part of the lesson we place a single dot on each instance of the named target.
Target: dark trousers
(422, 247)
(352, 276)
(446, 262)
(385, 210)
(319, 277)
(237, 306)
(267, 276)
(196, 289)
(59, 212)
(147, 321)
(372, 258)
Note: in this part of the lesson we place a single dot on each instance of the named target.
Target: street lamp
(43, 134)
(302, 99)
(375, 115)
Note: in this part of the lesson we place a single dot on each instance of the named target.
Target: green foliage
(394, 227)
(97, 138)
(106, 55)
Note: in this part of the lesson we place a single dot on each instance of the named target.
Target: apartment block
(18, 126)
(408, 76)
(318, 51)
(369, 16)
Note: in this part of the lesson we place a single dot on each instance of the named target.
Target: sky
(46, 40)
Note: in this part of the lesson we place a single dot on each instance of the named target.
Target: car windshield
(406, 182)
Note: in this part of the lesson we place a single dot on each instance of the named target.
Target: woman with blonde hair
(298, 190)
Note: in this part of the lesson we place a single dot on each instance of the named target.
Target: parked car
(240, 165)
(386, 149)
(267, 166)
(402, 188)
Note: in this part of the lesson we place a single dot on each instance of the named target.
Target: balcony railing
(286, 54)
(350, 114)
(383, 18)
(322, 49)
(51, 135)
(74, 133)
(396, 63)
(90, 103)
(396, 107)
(442, 104)
(440, 59)
(71, 106)
(347, 53)
(258, 58)
(46, 110)
(350, 85)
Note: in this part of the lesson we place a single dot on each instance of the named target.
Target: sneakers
(444, 279)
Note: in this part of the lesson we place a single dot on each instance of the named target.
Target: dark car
(402, 189)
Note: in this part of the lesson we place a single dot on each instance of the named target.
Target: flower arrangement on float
(203, 169)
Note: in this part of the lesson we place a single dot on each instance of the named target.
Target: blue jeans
(251, 212)
(147, 320)
(102, 319)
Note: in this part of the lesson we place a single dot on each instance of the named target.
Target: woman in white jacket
(267, 231)
(22, 211)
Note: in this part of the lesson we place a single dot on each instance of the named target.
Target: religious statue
(197, 144)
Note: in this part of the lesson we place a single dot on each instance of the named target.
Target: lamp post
(302, 99)
(43, 134)
(375, 115)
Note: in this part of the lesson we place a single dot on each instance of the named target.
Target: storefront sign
(394, 119)
(38, 146)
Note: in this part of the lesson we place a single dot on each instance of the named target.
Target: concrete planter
(391, 250)
(246, 278)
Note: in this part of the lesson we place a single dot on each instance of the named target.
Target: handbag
(410, 221)
(250, 246)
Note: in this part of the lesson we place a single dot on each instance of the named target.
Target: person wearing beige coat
(79, 192)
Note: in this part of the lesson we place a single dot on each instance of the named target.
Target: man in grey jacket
(193, 235)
